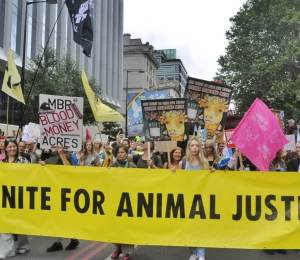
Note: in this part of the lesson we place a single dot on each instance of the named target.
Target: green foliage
(57, 77)
(263, 56)
(111, 128)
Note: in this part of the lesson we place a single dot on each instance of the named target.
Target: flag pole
(7, 113)
(38, 66)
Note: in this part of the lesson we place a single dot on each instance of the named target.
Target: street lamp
(126, 91)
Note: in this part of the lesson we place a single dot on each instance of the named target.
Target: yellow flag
(101, 112)
(12, 80)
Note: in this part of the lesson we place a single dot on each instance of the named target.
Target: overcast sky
(196, 28)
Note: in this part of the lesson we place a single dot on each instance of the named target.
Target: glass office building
(171, 71)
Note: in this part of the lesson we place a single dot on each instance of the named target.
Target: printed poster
(164, 119)
(61, 120)
(207, 104)
(134, 109)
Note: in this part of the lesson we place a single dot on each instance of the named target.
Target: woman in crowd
(239, 162)
(195, 160)
(121, 154)
(278, 164)
(149, 159)
(108, 156)
(211, 154)
(21, 246)
(175, 158)
(2, 149)
(89, 157)
(98, 149)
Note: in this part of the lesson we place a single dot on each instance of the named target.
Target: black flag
(79, 12)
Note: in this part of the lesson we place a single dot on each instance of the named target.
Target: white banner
(61, 120)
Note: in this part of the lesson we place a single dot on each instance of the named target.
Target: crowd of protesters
(127, 153)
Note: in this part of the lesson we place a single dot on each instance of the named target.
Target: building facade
(139, 67)
(106, 63)
(171, 71)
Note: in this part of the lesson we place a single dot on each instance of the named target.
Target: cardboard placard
(61, 120)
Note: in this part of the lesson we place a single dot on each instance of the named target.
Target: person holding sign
(148, 159)
(176, 156)
(195, 160)
(121, 154)
(7, 243)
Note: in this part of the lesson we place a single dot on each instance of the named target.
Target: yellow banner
(152, 207)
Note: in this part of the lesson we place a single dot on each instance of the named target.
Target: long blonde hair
(202, 160)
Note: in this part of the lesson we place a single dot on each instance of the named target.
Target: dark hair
(7, 143)
(84, 147)
(116, 150)
(172, 153)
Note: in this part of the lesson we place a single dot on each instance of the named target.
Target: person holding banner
(176, 156)
(149, 159)
(195, 160)
(294, 164)
(108, 156)
(121, 154)
(99, 151)
(278, 164)
(211, 154)
(22, 246)
(2, 148)
(89, 157)
(22, 155)
(60, 157)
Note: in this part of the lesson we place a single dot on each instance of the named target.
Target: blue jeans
(198, 251)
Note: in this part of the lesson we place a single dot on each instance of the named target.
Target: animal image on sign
(164, 119)
(213, 112)
(207, 104)
(174, 121)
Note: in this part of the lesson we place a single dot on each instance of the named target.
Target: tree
(111, 128)
(56, 77)
(263, 55)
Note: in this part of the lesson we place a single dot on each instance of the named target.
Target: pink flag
(259, 136)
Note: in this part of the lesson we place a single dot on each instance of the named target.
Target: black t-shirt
(140, 163)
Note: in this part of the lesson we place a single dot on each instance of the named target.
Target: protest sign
(207, 104)
(101, 137)
(134, 109)
(228, 136)
(291, 145)
(164, 119)
(165, 146)
(93, 203)
(61, 121)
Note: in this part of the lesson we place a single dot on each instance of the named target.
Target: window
(44, 25)
(29, 31)
(16, 17)
(2, 14)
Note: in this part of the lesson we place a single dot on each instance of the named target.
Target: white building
(106, 62)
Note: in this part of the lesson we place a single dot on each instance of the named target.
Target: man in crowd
(294, 164)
